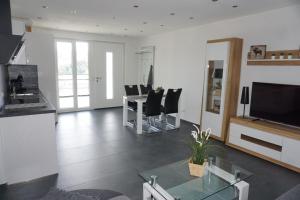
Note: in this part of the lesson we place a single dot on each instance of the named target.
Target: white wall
(180, 55)
(40, 51)
(40, 48)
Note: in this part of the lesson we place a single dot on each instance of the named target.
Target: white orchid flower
(208, 132)
(195, 135)
(198, 131)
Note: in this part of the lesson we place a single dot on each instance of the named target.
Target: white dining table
(140, 99)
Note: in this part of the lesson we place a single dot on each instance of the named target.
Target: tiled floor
(96, 151)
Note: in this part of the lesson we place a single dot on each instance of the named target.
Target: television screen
(276, 102)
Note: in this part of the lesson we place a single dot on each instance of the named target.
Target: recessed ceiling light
(74, 12)
(135, 6)
(214, 0)
(235, 6)
(45, 7)
(162, 25)
(172, 14)
(191, 18)
(141, 31)
(40, 18)
(145, 22)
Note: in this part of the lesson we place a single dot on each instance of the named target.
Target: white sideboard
(273, 142)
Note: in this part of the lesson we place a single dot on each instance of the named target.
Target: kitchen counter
(27, 111)
(49, 108)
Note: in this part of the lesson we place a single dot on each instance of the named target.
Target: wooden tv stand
(270, 141)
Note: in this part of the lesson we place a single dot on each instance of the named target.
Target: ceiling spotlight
(172, 14)
(235, 6)
(214, 0)
(135, 6)
(45, 7)
(162, 25)
(73, 12)
(145, 22)
(191, 18)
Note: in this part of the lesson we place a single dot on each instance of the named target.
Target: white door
(214, 87)
(107, 74)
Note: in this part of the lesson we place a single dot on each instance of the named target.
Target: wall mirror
(214, 85)
(146, 65)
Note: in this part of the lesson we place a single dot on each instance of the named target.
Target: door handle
(98, 79)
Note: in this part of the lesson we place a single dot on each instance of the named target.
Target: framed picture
(258, 52)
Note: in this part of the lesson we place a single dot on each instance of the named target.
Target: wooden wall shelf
(274, 128)
(295, 61)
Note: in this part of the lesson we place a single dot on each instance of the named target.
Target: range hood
(9, 44)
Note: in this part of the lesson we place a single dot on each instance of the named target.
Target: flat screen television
(276, 102)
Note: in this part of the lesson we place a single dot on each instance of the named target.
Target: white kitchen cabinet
(18, 27)
(2, 173)
(28, 147)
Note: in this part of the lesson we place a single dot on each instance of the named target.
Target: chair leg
(153, 121)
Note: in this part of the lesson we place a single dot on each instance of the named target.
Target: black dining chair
(152, 106)
(131, 90)
(171, 104)
(145, 89)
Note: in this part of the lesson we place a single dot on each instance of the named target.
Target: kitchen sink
(26, 100)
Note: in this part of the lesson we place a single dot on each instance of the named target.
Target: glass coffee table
(221, 181)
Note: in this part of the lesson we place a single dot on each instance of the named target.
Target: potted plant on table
(199, 146)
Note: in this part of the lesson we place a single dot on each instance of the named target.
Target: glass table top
(216, 183)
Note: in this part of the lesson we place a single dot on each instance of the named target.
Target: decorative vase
(197, 170)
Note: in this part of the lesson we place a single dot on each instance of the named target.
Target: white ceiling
(121, 18)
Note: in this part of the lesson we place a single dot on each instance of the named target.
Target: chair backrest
(171, 101)
(131, 90)
(145, 89)
(153, 103)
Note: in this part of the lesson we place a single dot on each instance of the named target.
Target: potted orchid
(199, 146)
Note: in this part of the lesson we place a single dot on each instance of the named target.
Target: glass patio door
(73, 81)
